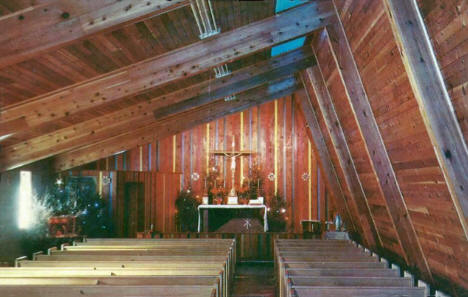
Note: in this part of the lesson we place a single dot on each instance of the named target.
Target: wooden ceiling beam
(325, 161)
(298, 60)
(172, 125)
(207, 86)
(314, 84)
(51, 24)
(138, 115)
(169, 67)
(376, 150)
(433, 99)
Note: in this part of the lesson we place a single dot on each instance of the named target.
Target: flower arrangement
(244, 193)
(218, 194)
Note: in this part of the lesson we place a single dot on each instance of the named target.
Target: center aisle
(254, 280)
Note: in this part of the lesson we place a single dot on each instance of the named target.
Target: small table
(234, 206)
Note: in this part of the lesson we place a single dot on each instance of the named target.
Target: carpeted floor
(254, 280)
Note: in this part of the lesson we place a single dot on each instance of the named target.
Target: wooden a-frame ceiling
(82, 80)
(99, 71)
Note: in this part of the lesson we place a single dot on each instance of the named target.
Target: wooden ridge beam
(140, 114)
(376, 150)
(433, 99)
(50, 24)
(178, 64)
(314, 83)
(325, 159)
(173, 125)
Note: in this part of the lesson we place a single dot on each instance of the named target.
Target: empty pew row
(124, 267)
(199, 246)
(316, 268)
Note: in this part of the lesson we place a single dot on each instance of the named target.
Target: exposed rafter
(140, 114)
(283, 68)
(376, 150)
(325, 160)
(54, 23)
(433, 99)
(169, 67)
(313, 82)
(170, 126)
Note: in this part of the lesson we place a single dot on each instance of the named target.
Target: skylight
(287, 46)
(286, 4)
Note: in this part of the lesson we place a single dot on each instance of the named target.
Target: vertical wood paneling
(290, 147)
(160, 192)
(267, 126)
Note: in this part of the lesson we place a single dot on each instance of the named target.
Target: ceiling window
(282, 5)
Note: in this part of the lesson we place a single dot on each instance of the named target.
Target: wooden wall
(446, 24)
(356, 146)
(401, 125)
(276, 131)
(159, 191)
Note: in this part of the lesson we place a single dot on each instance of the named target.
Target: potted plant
(277, 214)
(187, 212)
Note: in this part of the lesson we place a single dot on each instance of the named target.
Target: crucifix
(232, 155)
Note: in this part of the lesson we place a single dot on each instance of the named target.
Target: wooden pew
(100, 291)
(306, 268)
(133, 280)
(106, 271)
(112, 280)
(361, 272)
(348, 281)
(156, 267)
(172, 268)
(356, 292)
(163, 246)
(337, 265)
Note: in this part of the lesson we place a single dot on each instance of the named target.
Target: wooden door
(134, 209)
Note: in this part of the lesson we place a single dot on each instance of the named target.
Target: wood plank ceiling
(30, 86)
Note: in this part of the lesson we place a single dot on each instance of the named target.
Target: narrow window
(25, 216)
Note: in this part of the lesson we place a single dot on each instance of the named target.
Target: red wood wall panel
(289, 148)
(446, 24)
(396, 111)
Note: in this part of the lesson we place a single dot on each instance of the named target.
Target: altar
(233, 206)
